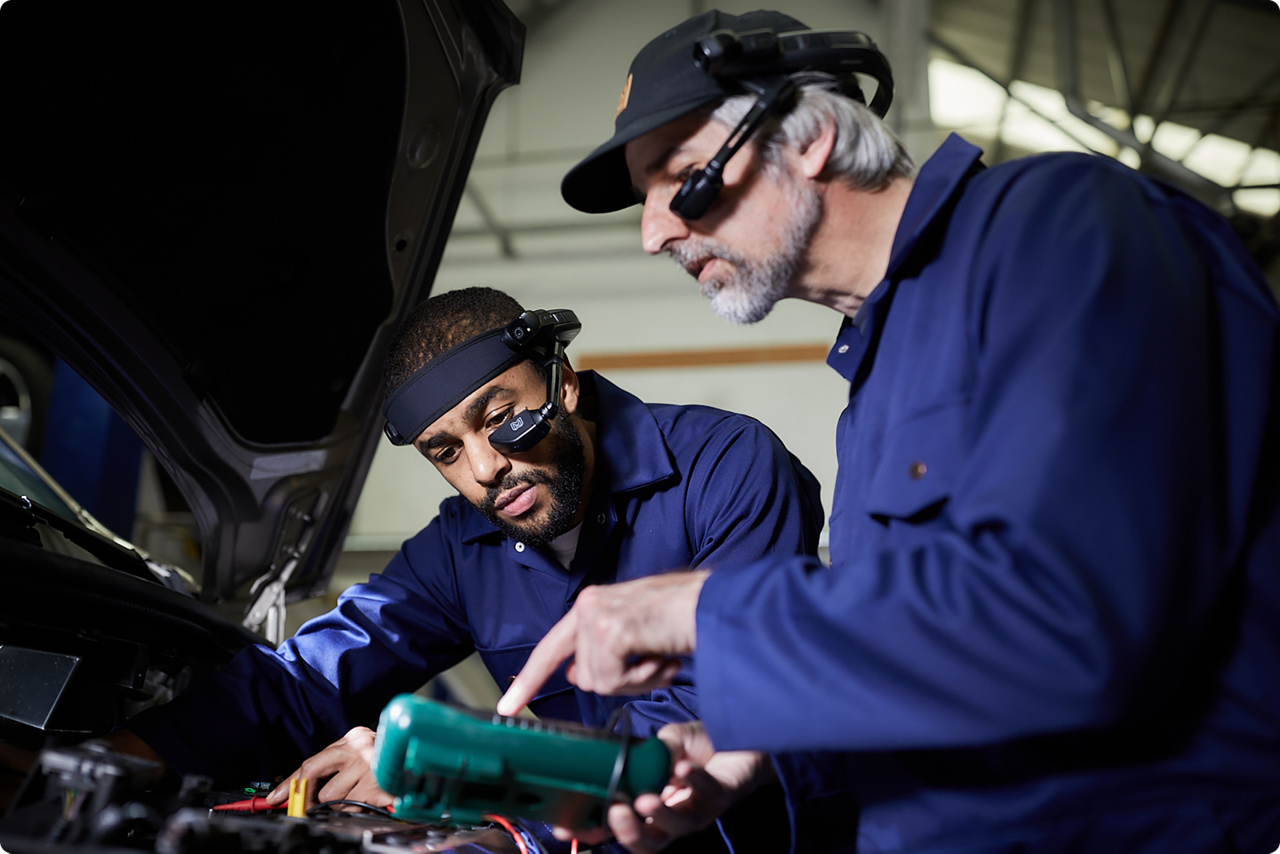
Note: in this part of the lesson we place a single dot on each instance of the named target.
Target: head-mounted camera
(760, 62)
(450, 377)
(541, 335)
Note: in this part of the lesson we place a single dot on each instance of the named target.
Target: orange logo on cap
(624, 97)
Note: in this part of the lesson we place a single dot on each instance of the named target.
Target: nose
(488, 465)
(658, 225)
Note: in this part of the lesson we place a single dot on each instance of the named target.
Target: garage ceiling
(1126, 67)
(1211, 65)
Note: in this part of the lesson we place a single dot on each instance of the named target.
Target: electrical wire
(624, 751)
(366, 806)
(497, 819)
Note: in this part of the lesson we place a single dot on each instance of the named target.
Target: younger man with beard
(618, 490)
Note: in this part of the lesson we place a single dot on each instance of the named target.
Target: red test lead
(254, 804)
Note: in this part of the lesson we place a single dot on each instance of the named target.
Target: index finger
(556, 646)
(316, 768)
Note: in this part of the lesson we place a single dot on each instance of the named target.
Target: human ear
(813, 159)
(569, 388)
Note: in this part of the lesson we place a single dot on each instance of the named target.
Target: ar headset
(760, 62)
(446, 380)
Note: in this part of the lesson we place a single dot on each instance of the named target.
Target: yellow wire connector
(297, 798)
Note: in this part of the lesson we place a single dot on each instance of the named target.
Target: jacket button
(519, 547)
(842, 349)
(600, 519)
(918, 469)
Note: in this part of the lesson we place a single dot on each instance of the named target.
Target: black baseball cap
(663, 84)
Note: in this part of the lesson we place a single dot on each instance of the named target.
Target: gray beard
(749, 293)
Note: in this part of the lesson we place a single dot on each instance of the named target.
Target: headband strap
(444, 382)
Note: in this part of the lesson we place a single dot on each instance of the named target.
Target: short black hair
(442, 322)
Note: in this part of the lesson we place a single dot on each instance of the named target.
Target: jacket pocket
(921, 460)
(557, 699)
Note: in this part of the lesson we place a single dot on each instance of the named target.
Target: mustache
(511, 481)
(692, 251)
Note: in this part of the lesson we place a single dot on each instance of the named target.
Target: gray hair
(866, 154)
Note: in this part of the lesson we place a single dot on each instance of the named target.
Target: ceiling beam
(1115, 59)
(593, 224)
(491, 224)
(537, 12)
(1021, 44)
(1191, 42)
(961, 57)
(1156, 56)
(1251, 101)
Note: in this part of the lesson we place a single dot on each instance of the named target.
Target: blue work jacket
(676, 487)
(1052, 618)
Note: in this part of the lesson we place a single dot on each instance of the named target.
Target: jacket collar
(940, 179)
(631, 452)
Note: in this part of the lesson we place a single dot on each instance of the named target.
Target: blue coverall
(1052, 618)
(676, 487)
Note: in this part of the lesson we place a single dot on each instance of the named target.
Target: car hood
(217, 214)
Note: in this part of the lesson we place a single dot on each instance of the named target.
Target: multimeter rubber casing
(446, 763)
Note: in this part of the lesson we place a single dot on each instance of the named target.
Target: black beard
(564, 487)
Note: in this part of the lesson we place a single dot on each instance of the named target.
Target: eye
(684, 174)
(498, 418)
(445, 455)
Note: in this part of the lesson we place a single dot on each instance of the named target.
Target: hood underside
(218, 213)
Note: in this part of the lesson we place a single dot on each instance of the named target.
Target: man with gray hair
(865, 156)
(1051, 621)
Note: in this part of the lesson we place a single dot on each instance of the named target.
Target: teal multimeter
(447, 763)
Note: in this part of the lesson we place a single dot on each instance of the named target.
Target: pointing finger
(555, 647)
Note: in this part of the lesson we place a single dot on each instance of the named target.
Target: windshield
(19, 477)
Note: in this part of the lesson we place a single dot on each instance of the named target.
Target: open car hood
(217, 214)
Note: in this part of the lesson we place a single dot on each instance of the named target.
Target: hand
(624, 638)
(345, 764)
(704, 784)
